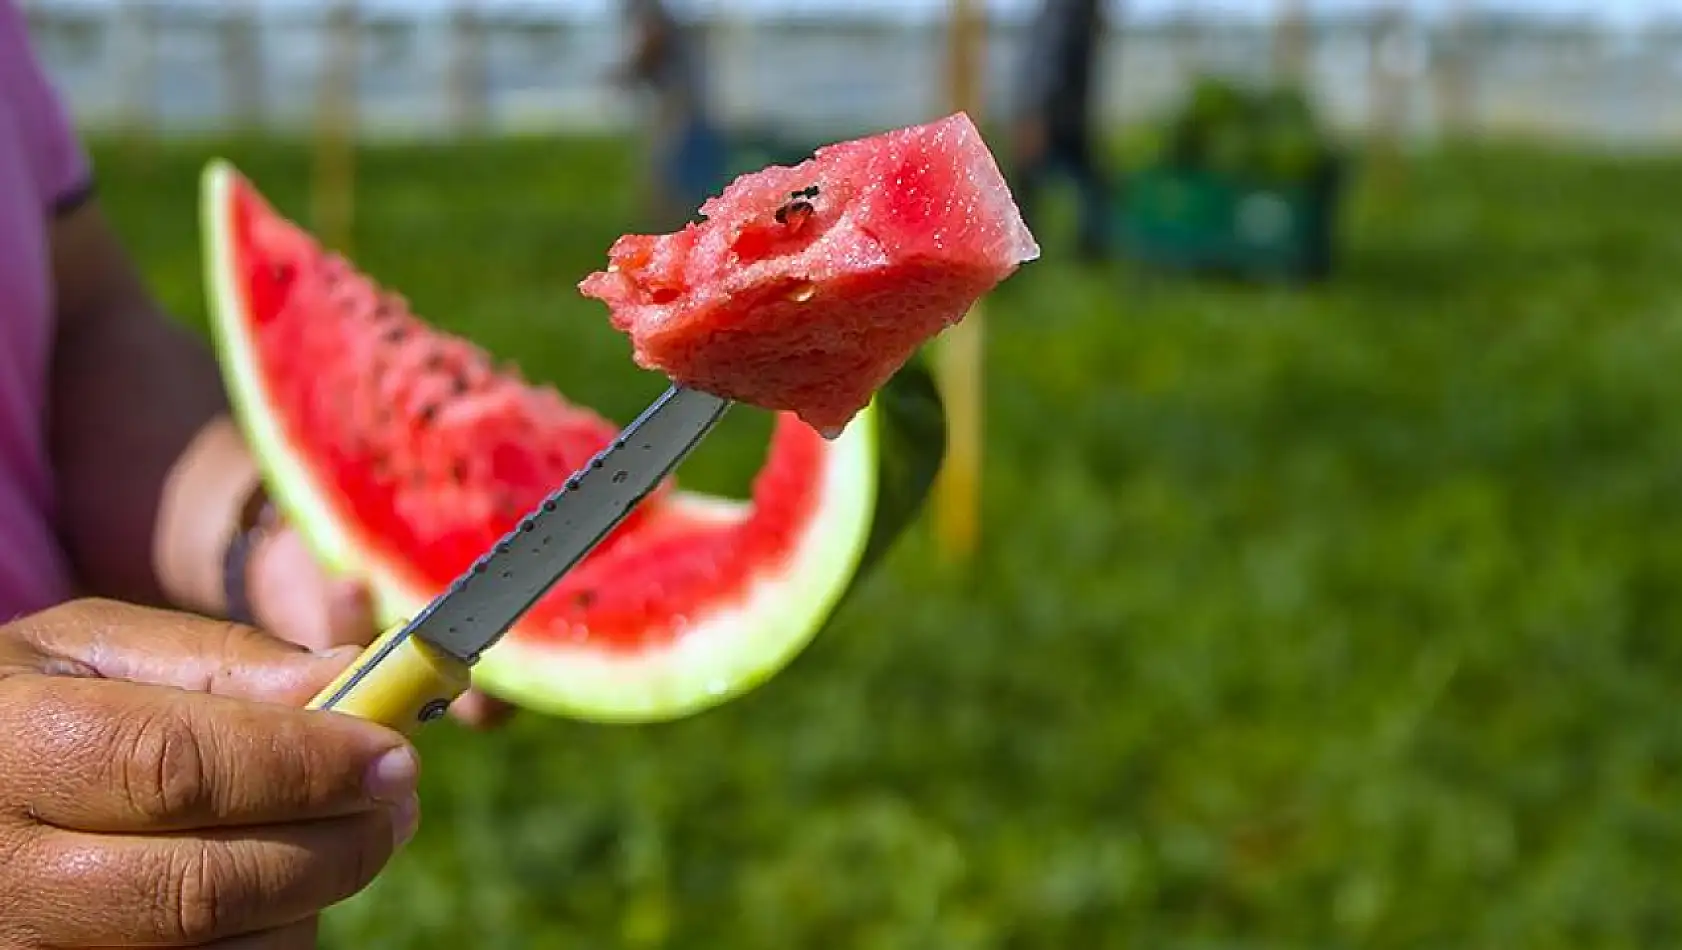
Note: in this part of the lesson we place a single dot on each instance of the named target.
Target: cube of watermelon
(806, 288)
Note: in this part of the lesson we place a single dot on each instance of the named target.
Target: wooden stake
(242, 65)
(1290, 42)
(468, 98)
(959, 352)
(333, 184)
(1388, 125)
(1452, 74)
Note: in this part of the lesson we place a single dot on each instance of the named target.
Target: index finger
(116, 757)
(121, 641)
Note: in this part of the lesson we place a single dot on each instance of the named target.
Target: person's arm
(151, 473)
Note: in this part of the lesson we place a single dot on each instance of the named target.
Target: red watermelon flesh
(430, 454)
(806, 288)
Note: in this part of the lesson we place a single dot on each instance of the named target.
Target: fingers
(119, 757)
(209, 887)
(296, 600)
(122, 641)
(350, 614)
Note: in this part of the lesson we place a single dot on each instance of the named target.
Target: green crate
(1192, 219)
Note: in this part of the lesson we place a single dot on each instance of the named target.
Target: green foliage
(1247, 132)
(1325, 619)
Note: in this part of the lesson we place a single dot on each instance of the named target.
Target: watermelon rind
(876, 476)
(727, 651)
(284, 475)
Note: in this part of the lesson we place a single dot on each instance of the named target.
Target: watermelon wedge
(401, 453)
(806, 288)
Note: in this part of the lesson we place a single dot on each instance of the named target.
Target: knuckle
(161, 762)
(198, 895)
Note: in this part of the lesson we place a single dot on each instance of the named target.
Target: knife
(413, 671)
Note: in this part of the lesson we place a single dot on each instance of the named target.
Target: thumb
(120, 641)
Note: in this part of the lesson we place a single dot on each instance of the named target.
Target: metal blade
(502, 585)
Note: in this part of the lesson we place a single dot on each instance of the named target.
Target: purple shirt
(41, 166)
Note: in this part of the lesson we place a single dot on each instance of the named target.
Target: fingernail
(339, 653)
(405, 819)
(392, 778)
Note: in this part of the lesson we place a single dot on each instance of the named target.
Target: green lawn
(1346, 618)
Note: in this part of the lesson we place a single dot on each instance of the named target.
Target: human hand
(160, 787)
(293, 598)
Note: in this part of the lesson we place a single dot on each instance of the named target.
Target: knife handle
(400, 681)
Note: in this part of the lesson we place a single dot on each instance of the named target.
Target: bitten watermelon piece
(806, 288)
(402, 453)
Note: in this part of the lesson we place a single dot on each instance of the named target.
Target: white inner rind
(229, 327)
(741, 642)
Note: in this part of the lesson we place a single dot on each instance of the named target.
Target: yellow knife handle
(400, 681)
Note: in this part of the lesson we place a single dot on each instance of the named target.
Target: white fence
(174, 66)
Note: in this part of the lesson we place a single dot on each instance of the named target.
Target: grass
(1338, 618)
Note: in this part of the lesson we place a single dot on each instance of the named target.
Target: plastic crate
(1193, 219)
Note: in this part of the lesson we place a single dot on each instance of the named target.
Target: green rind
(911, 448)
(881, 471)
(691, 674)
(907, 418)
(285, 478)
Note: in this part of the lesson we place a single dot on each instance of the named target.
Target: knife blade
(412, 672)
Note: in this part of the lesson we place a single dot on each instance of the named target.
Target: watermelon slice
(402, 453)
(806, 288)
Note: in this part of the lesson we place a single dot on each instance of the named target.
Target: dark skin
(152, 472)
(161, 787)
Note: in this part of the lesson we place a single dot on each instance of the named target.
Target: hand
(159, 786)
(294, 598)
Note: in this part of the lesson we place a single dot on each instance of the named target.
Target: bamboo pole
(334, 179)
(959, 354)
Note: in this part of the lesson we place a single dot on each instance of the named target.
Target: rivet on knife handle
(400, 681)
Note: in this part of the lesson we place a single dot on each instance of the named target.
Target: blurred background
(1327, 589)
